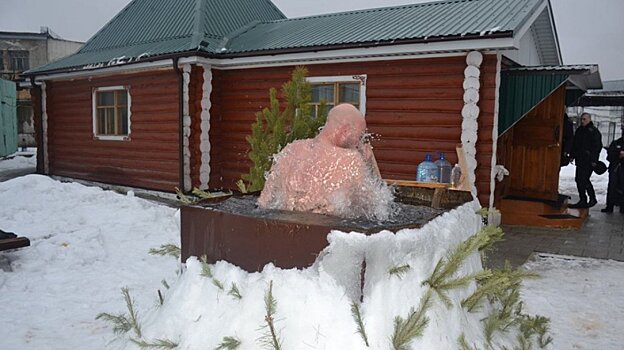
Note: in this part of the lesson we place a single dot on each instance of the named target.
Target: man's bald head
(344, 127)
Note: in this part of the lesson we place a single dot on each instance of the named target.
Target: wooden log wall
(413, 108)
(150, 159)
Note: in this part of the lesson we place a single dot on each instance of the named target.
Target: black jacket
(587, 145)
(613, 153)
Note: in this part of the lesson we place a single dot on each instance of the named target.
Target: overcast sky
(590, 31)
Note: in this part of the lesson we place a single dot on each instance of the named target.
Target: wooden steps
(538, 214)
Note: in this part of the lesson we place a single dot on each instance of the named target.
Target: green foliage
(355, 312)
(270, 339)
(442, 279)
(491, 236)
(182, 197)
(275, 128)
(407, 330)
(207, 272)
(463, 344)
(229, 343)
(167, 249)
(234, 292)
(121, 324)
(399, 271)
(493, 284)
(156, 344)
(535, 326)
(242, 188)
(501, 318)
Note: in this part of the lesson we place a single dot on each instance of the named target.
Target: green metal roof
(226, 28)
(418, 22)
(149, 28)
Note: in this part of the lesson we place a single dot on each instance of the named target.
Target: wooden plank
(14, 243)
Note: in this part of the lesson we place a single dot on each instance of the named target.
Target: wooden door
(536, 150)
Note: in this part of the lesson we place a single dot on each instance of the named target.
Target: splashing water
(335, 173)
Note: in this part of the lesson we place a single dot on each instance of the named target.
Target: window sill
(111, 138)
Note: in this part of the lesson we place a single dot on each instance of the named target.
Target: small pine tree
(275, 128)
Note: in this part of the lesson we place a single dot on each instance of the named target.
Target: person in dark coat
(586, 148)
(566, 140)
(615, 191)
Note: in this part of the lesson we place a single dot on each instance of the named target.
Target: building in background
(21, 51)
(607, 108)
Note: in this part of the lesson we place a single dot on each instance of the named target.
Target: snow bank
(86, 244)
(18, 162)
(314, 305)
(583, 298)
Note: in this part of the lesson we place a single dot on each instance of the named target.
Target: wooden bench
(9, 240)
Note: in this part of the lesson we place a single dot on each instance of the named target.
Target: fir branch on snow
(399, 271)
(442, 280)
(407, 330)
(229, 343)
(161, 300)
(201, 194)
(134, 322)
(501, 318)
(121, 324)
(463, 343)
(156, 344)
(234, 292)
(491, 236)
(270, 339)
(355, 312)
(182, 197)
(494, 283)
(535, 326)
(206, 270)
(164, 283)
(167, 249)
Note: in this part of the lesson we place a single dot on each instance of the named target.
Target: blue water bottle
(427, 170)
(444, 167)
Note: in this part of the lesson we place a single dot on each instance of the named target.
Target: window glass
(349, 93)
(112, 113)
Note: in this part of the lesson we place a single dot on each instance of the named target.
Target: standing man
(615, 191)
(585, 151)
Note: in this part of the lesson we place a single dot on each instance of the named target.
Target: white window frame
(359, 78)
(94, 113)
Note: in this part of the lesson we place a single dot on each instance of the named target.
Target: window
(18, 60)
(111, 113)
(339, 89)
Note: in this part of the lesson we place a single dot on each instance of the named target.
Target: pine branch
(131, 312)
(217, 283)
(229, 343)
(167, 249)
(463, 344)
(234, 292)
(441, 279)
(536, 326)
(355, 312)
(164, 283)
(407, 330)
(206, 271)
(494, 283)
(242, 187)
(270, 339)
(121, 324)
(156, 344)
(399, 271)
(182, 197)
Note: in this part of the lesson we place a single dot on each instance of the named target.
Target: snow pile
(86, 244)
(18, 162)
(314, 304)
(583, 298)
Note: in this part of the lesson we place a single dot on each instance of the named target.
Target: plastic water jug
(455, 176)
(427, 171)
(444, 167)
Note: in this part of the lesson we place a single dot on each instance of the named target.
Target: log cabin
(164, 95)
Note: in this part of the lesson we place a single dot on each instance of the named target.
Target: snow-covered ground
(20, 160)
(86, 244)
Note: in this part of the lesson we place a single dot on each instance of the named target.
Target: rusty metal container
(236, 231)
